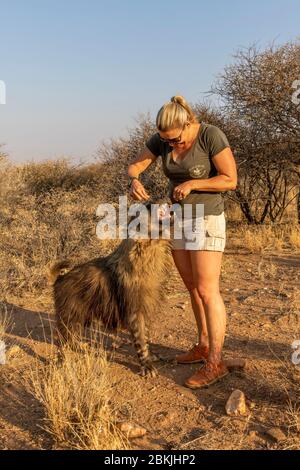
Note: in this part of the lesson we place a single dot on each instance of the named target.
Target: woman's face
(175, 137)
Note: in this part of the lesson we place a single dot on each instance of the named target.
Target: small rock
(276, 434)
(182, 306)
(236, 404)
(252, 434)
(131, 430)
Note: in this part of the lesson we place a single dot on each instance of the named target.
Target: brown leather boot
(196, 354)
(207, 375)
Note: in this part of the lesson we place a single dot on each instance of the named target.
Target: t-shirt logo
(197, 171)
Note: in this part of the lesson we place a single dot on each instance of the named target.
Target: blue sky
(79, 71)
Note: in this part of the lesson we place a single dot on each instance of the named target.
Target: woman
(199, 164)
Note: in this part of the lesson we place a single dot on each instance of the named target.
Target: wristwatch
(130, 179)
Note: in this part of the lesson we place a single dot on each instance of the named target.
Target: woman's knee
(207, 292)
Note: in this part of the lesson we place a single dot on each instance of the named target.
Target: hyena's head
(150, 220)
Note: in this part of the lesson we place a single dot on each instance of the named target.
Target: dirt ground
(263, 307)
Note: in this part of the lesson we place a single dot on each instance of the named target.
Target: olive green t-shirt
(197, 164)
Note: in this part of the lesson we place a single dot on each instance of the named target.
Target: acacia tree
(256, 97)
(262, 123)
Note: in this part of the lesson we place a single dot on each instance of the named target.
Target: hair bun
(176, 99)
(170, 116)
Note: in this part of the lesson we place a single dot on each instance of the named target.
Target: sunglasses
(176, 140)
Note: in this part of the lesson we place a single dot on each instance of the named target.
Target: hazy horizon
(78, 73)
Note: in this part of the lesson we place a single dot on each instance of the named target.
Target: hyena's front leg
(153, 356)
(137, 328)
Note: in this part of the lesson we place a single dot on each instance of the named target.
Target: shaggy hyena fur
(123, 289)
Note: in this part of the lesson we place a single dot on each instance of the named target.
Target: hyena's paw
(148, 370)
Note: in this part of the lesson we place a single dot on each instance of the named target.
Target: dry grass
(293, 417)
(44, 177)
(76, 396)
(265, 238)
(38, 227)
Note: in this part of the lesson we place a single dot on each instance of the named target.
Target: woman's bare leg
(206, 267)
(182, 261)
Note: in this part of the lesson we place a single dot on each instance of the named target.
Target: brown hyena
(122, 289)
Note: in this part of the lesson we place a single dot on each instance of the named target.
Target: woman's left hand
(183, 190)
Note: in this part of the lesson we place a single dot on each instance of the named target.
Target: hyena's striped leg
(154, 357)
(137, 328)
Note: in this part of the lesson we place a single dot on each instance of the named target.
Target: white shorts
(203, 233)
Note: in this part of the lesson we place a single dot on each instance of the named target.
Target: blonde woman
(199, 164)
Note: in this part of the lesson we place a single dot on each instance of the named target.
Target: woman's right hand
(138, 192)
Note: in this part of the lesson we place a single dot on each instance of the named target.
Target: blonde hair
(174, 114)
